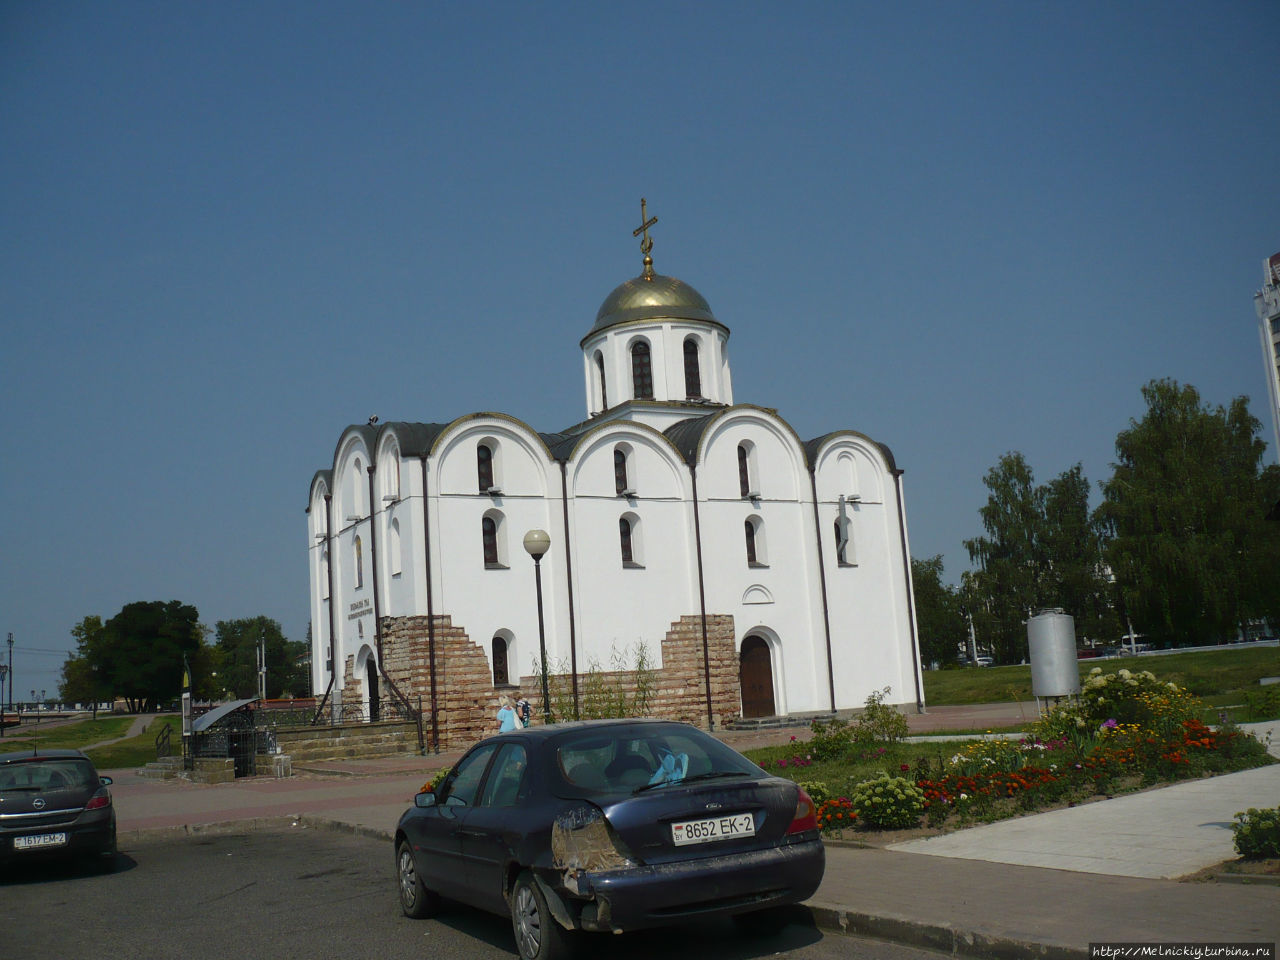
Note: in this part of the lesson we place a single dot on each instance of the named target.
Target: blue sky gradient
(229, 230)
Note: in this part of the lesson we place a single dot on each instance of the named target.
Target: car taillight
(99, 800)
(806, 817)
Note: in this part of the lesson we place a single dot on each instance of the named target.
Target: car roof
(549, 730)
(38, 754)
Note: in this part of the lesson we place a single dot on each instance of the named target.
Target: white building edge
(764, 574)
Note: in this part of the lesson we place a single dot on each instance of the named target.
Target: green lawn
(133, 752)
(1230, 672)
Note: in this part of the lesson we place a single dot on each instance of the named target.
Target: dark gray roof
(207, 720)
(812, 447)
(687, 434)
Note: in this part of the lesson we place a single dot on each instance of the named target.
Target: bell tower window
(641, 371)
(604, 389)
(692, 375)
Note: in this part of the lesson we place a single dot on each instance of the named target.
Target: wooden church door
(755, 675)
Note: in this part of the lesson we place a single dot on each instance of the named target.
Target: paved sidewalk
(970, 900)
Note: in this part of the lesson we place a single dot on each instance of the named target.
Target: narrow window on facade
(500, 662)
(744, 471)
(324, 575)
(393, 547)
(624, 532)
(620, 484)
(750, 529)
(489, 533)
(641, 371)
(604, 390)
(844, 544)
(484, 467)
(359, 564)
(692, 377)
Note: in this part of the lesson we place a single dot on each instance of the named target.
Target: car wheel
(538, 935)
(415, 899)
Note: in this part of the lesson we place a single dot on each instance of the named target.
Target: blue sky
(229, 230)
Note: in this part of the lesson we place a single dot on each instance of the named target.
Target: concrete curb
(936, 937)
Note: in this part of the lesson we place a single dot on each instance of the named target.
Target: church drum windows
(692, 374)
(641, 371)
(604, 388)
(359, 552)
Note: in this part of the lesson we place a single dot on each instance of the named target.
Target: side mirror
(105, 781)
(427, 799)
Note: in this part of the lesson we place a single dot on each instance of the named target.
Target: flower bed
(1125, 731)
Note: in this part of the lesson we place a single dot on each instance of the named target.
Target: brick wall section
(467, 700)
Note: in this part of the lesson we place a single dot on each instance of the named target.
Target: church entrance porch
(755, 676)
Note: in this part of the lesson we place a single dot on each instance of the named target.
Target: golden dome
(652, 298)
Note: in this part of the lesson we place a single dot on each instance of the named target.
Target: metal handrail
(163, 747)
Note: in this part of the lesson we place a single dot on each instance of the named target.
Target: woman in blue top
(506, 716)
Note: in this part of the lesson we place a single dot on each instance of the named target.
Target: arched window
(324, 574)
(641, 371)
(493, 536)
(624, 532)
(484, 467)
(692, 376)
(359, 564)
(750, 529)
(744, 471)
(393, 547)
(620, 485)
(500, 662)
(489, 534)
(604, 390)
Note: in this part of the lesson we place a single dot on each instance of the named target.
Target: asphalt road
(311, 894)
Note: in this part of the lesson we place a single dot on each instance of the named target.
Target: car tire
(538, 935)
(415, 899)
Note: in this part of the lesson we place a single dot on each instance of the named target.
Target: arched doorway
(372, 682)
(755, 675)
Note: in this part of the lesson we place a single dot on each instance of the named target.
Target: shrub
(817, 790)
(879, 722)
(888, 802)
(1257, 833)
(831, 739)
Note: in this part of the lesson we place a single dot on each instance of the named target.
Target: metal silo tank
(1051, 640)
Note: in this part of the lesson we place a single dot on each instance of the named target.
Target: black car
(54, 802)
(607, 826)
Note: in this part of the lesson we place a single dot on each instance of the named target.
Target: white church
(762, 574)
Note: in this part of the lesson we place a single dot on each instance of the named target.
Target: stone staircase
(167, 768)
(776, 723)
(357, 740)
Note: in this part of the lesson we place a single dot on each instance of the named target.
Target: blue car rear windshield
(626, 759)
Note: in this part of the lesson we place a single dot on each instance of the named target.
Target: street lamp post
(537, 543)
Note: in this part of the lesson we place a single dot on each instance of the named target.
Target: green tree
(1006, 588)
(80, 682)
(1042, 549)
(1191, 551)
(237, 643)
(142, 649)
(939, 618)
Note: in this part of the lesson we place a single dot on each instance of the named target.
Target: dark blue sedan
(607, 826)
